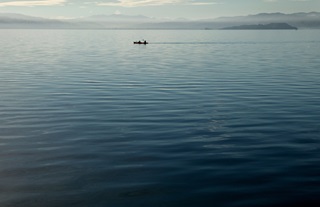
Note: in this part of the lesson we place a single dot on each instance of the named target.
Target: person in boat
(145, 42)
(139, 42)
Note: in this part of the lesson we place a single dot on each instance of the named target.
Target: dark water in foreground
(196, 118)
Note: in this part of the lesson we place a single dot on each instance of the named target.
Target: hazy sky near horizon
(191, 9)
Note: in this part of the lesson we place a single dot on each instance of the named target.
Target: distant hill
(10, 20)
(300, 20)
(118, 21)
(119, 17)
(271, 26)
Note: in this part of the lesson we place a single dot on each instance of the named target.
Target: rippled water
(195, 118)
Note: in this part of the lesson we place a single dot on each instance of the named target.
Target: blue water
(195, 118)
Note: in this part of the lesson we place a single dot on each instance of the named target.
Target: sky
(190, 9)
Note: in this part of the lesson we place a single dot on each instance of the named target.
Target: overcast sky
(191, 9)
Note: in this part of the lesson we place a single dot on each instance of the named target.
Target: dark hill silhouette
(271, 26)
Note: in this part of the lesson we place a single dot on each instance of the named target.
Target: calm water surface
(195, 118)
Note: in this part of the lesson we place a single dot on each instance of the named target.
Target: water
(195, 118)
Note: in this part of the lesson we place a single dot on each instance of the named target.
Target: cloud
(32, 3)
(136, 3)
(119, 3)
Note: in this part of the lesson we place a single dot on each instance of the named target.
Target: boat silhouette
(141, 42)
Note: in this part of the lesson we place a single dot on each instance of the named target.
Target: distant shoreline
(203, 29)
(271, 26)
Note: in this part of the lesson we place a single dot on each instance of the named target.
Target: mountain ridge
(271, 26)
(301, 20)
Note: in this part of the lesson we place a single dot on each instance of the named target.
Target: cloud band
(32, 3)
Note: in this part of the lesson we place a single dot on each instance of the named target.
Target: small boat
(141, 42)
